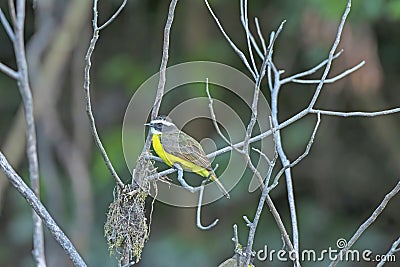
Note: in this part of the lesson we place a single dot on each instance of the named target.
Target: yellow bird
(174, 146)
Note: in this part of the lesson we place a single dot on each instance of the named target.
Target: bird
(174, 146)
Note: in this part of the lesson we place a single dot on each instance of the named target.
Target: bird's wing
(185, 147)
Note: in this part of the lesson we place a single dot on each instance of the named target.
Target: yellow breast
(170, 159)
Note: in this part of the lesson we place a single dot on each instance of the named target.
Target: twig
(331, 55)
(260, 36)
(237, 247)
(38, 207)
(333, 79)
(285, 161)
(164, 59)
(198, 215)
(265, 198)
(163, 69)
(366, 224)
(395, 248)
(301, 157)
(182, 180)
(199, 203)
(355, 113)
(234, 47)
(12, 12)
(31, 143)
(9, 71)
(245, 23)
(86, 88)
(7, 26)
(112, 18)
(310, 71)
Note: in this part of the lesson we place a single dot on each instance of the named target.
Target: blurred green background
(354, 162)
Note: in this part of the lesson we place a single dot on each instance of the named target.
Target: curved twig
(199, 203)
(198, 215)
(86, 88)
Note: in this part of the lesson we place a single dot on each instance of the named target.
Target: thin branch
(395, 248)
(241, 151)
(7, 26)
(163, 69)
(310, 71)
(214, 117)
(285, 161)
(182, 180)
(333, 79)
(164, 59)
(331, 55)
(86, 88)
(198, 214)
(199, 203)
(265, 198)
(234, 47)
(261, 37)
(301, 157)
(9, 71)
(112, 18)
(366, 224)
(237, 246)
(31, 143)
(12, 12)
(245, 22)
(355, 113)
(38, 207)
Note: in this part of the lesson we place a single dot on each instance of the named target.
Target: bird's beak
(147, 124)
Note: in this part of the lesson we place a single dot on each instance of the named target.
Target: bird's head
(161, 124)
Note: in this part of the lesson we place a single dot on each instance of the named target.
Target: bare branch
(9, 71)
(265, 198)
(7, 26)
(395, 248)
(182, 180)
(119, 10)
(245, 23)
(301, 157)
(214, 117)
(198, 215)
(31, 147)
(366, 224)
(237, 247)
(333, 79)
(261, 37)
(38, 207)
(199, 203)
(310, 71)
(282, 155)
(331, 55)
(86, 88)
(234, 47)
(164, 59)
(13, 14)
(163, 69)
(355, 113)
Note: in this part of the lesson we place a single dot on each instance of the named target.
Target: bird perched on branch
(176, 147)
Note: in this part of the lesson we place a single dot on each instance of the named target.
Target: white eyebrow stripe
(167, 123)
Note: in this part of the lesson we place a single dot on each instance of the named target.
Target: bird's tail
(214, 178)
